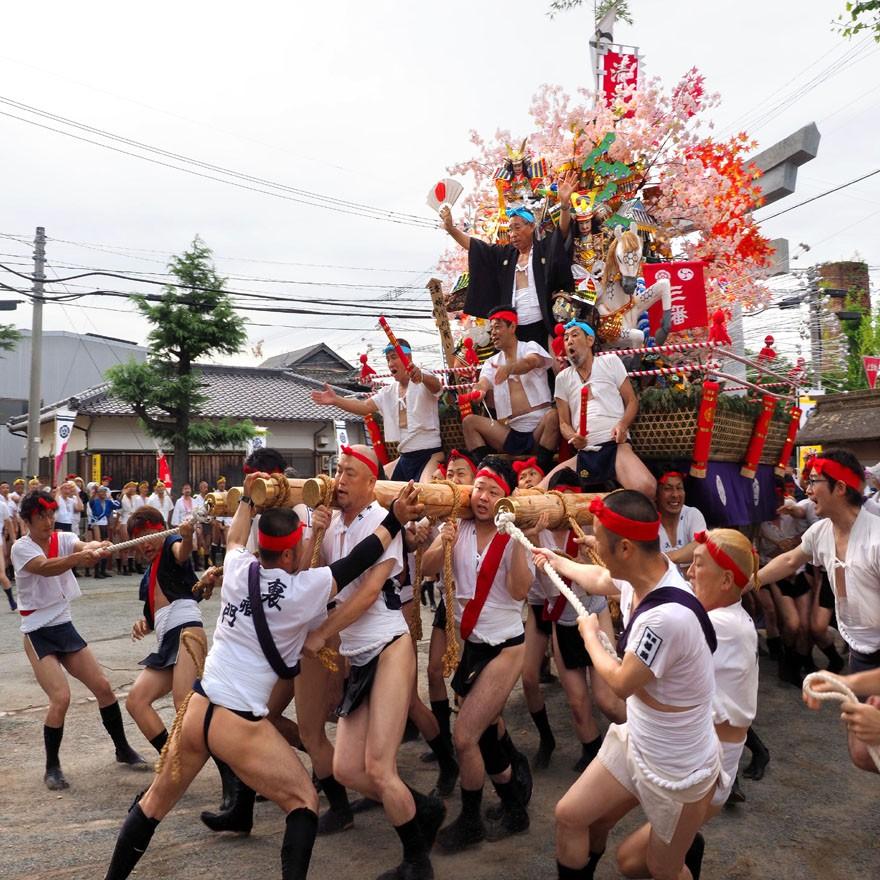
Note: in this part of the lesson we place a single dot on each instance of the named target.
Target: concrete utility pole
(34, 398)
(815, 306)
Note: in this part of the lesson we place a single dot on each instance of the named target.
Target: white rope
(841, 694)
(504, 522)
(145, 539)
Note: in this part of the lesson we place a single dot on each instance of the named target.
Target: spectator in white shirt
(161, 500)
(678, 522)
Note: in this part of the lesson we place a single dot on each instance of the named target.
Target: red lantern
(705, 423)
(759, 438)
(376, 437)
(785, 455)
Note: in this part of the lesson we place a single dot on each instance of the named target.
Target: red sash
(151, 593)
(485, 578)
(555, 612)
(52, 554)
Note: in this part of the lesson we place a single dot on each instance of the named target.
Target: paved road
(813, 817)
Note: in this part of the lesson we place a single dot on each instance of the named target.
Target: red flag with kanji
(689, 310)
(163, 472)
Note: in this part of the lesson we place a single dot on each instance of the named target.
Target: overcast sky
(369, 102)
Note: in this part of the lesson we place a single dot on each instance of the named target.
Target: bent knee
(60, 700)
(630, 863)
(568, 815)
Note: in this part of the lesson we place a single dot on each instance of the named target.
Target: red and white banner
(64, 419)
(689, 310)
(872, 366)
(620, 70)
(163, 472)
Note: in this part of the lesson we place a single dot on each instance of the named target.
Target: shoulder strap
(53, 546)
(485, 577)
(261, 625)
(662, 596)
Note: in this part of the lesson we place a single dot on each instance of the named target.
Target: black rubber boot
(299, 839)
(588, 752)
(737, 795)
(835, 661)
(239, 818)
(448, 774)
(111, 718)
(134, 838)
(513, 817)
(547, 744)
(468, 829)
(227, 781)
(760, 756)
(339, 817)
(416, 864)
(563, 872)
(694, 857)
(13, 605)
(430, 812)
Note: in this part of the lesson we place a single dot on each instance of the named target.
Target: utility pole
(815, 319)
(34, 398)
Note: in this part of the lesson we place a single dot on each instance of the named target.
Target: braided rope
(841, 694)
(592, 555)
(150, 536)
(450, 657)
(282, 489)
(186, 639)
(206, 590)
(505, 523)
(415, 613)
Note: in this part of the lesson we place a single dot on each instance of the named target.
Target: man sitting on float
(603, 453)
(517, 376)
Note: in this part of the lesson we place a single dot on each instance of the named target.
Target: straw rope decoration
(450, 658)
(327, 655)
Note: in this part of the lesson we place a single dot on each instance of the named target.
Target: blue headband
(525, 213)
(583, 326)
(389, 348)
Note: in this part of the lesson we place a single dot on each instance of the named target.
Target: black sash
(267, 644)
(662, 596)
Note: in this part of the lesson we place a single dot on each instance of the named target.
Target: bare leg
(479, 431)
(150, 685)
(632, 473)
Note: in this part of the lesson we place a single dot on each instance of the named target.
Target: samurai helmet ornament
(517, 154)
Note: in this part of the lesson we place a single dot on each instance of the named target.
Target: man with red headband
(528, 473)
(492, 577)
(678, 522)
(603, 453)
(517, 377)
(666, 756)
(410, 417)
(267, 608)
(44, 560)
(375, 638)
(846, 542)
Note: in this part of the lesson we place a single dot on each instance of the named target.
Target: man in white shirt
(603, 452)
(161, 500)
(5, 518)
(846, 542)
(69, 507)
(678, 522)
(410, 417)
(517, 378)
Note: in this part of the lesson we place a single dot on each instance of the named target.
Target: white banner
(260, 440)
(341, 433)
(64, 419)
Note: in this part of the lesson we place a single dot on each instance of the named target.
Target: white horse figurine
(620, 301)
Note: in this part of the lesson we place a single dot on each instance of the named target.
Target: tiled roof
(840, 418)
(301, 356)
(232, 392)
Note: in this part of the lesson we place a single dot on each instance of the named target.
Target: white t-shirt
(165, 504)
(367, 636)
(872, 504)
(605, 407)
(48, 598)
(422, 429)
(181, 511)
(5, 513)
(501, 617)
(525, 299)
(66, 510)
(129, 505)
(237, 674)
(858, 610)
(690, 521)
(669, 640)
(736, 666)
(534, 382)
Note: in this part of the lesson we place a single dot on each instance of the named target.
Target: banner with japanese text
(872, 365)
(689, 310)
(64, 419)
(620, 71)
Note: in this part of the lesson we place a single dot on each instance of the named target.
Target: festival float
(665, 254)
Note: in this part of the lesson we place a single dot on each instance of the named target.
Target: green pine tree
(188, 322)
(9, 337)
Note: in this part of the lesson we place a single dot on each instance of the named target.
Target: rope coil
(450, 657)
(840, 694)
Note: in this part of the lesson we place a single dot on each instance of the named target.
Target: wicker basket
(450, 434)
(670, 436)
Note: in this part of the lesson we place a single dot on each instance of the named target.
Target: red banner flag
(163, 472)
(689, 310)
(620, 70)
(872, 366)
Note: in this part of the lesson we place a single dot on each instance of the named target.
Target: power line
(293, 194)
(822, 195)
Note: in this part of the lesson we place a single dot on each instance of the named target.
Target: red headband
(528, 464)
(456, 454)
(485, 472)
(567, 487)
(668, 475)
(740, 578)
(633, 529)
(834, 470)
(374, 468)
(275, 544)
(49, 505)
(149, 527)
(504, 316)
(442, 469)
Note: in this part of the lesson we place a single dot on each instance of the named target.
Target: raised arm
(783, 566)
(593, 578)
(462, 238)
(328, 397)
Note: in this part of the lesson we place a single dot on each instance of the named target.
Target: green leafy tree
(858, 17)
(9, 337)
(188, 322)
(622, 7)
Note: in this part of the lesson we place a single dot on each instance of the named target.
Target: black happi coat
(492, 268)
